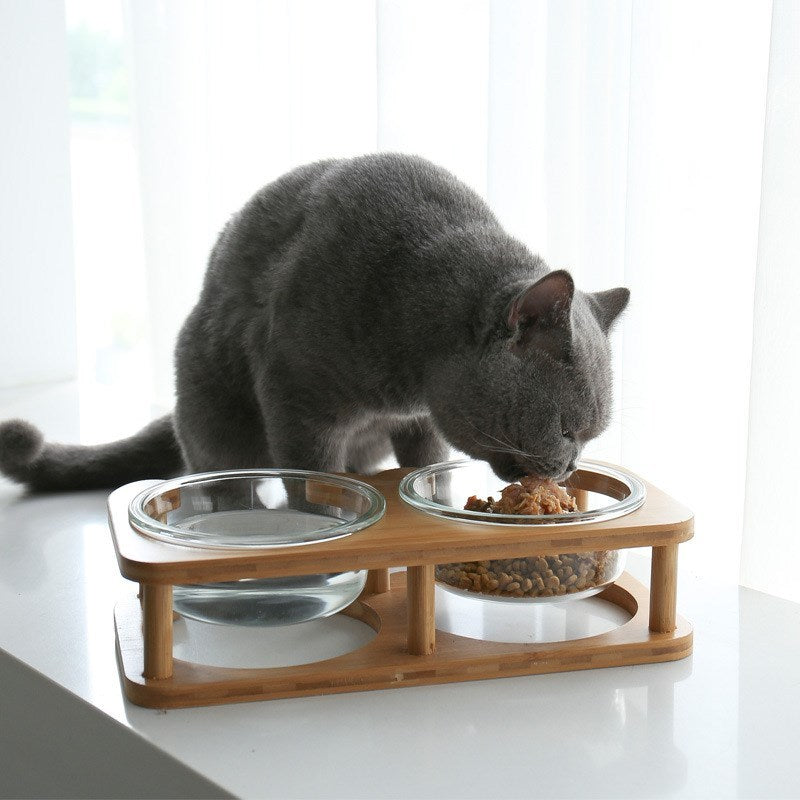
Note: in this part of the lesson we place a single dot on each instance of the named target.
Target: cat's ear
(539, 317)
(608, 305)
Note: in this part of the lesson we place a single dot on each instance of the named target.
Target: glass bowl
(244, 509)
(603, 492)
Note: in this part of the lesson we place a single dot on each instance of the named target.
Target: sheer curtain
(771, 547)
(621, 140)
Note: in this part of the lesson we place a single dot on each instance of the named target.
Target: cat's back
(386, 189)
(264, 228)
(361, 202)
(339, 262)
(337, 239)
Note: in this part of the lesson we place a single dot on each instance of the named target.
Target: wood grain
(421, 613)
(377, 581)
(581, 498)
(385, 662)
(663, 588)
(404, 536)
(157, 611)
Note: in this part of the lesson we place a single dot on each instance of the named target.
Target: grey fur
(355, 308)
(24, 456)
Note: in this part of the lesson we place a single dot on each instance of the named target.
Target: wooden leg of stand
(377, 581)
(581, 498)
(157, 600)
(663, 588)
(421, 624)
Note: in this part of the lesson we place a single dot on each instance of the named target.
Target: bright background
(646, 144)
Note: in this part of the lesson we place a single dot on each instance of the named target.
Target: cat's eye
(566, 434)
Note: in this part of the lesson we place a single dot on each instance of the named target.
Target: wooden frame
(407, 649)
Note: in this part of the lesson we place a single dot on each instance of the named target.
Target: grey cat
(355, 308)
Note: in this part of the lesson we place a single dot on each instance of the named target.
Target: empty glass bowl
(603, 492)
(260, 509)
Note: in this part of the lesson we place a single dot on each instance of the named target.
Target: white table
(723, 723)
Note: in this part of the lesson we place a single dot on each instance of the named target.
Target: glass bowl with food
(469, 491)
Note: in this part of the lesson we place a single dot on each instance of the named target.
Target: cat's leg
(368, 447)
(217, 417)
(219, 431)
(218, 422)
(417, 443)
(296, 413)
(302, 439)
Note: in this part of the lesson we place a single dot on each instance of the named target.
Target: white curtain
(37, 279)
(771, 547)
(622, 140)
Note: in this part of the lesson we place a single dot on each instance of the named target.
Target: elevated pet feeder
(345, 532)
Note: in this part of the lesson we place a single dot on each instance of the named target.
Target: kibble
(534, 576)
(540, 576)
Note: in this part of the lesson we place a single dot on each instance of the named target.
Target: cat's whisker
(498, 449)
(507, 447)
(509, 451)
(507, 443)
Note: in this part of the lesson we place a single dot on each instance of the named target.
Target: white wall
(36, 275)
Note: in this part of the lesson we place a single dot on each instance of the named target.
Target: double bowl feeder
(276, 547)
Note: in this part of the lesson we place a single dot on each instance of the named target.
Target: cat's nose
(570, 468)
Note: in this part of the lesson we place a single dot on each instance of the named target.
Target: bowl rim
(637, 493)
(146, 525)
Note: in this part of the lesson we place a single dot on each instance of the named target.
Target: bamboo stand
(407, 650)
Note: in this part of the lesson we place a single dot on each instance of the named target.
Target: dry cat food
(537, 576)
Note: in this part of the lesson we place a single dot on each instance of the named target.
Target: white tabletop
(723, 723)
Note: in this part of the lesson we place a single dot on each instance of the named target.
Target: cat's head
(534, 384)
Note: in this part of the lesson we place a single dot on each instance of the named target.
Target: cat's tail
(25, 457)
